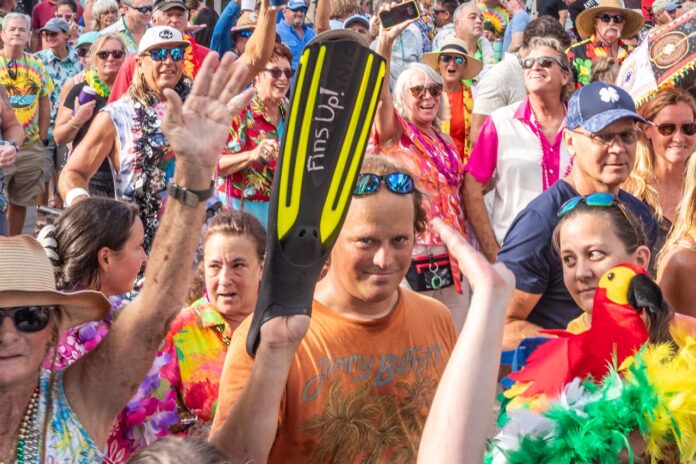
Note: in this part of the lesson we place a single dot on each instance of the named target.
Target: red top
(46, 10)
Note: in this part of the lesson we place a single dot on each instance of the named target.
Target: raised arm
(458, 422)
(259, 48)
(323, 16)
(127, 352)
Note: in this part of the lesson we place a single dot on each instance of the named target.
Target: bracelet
(74, 193)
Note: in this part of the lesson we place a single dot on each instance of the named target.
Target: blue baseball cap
(597, 105)
(297, 4)
(87, 38)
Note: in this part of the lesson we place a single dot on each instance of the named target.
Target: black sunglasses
(397, 182)
(277, 72)
(82, 51)
(606, 18)
(544, 61)
(669, 128)
(141, 9)
(104, 54)
(49, 34)
(419, 91)
(12, 69)
(28, 319)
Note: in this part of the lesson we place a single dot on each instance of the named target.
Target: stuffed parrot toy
(617, 332)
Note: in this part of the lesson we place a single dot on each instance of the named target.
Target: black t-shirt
(550, 8)
(70, 103)
(528, 252)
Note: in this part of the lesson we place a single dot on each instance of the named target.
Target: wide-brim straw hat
(27, 279)
(454, 46)
(633, 24)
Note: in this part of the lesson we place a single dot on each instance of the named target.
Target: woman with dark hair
(96, 245)
(179, 394)
(245, 170)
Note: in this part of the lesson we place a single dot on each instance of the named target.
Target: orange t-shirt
(360, 390)
(457, 121)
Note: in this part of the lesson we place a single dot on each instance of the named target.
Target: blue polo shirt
(290, 38)
(528, 252)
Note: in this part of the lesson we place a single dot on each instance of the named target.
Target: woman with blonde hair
(677, 260)
(657, 177)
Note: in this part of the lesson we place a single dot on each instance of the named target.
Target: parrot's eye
(610, 276)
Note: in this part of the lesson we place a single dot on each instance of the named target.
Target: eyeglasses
(66, 17)
(628, 137)
(117, 54)
(245, 33)
(419, 91)
(448, 58)
(397, 182)
(50, 34)
(82, 51)
(28, 319)
(438, 12)
(277, 72)
(669, 128)
(141, 9)
(160, 54)
(606, 18)
(544, 61)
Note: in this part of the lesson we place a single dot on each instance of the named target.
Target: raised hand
(391, 34)
(284, 334)
(197, 130)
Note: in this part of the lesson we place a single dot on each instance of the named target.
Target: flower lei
(100, 87)
(150, 147)
(189, 65)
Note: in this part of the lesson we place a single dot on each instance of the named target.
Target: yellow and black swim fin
(332, 107)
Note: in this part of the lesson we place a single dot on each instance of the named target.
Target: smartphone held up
(399, 14)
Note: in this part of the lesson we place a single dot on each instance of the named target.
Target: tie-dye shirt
(179, 394)
(26, 81)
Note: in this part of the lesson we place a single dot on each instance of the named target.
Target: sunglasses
(419, 90)
(397, 182)
(606, 18)
(66, 17)
(669, 128)
(49, 34)
(160, 54)
(448, 58)
(628, 137)
(300, 10)
(544, 61)
(246, 33)
(82, 51)
(12, 69)
(277, 72)
(28, 319)
(116, 54)
(141, 9)
(599, 199)
(438, 12)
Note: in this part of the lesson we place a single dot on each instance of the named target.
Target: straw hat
(27, 278)
(454, 46)
(585, 20)
(247, 20)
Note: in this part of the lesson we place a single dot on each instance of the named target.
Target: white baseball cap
(161, 36)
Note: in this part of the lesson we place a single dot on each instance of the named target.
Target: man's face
(136, 17)
(360, 28)
(15, 33)
(161, 74)
(373, 250)
(55, 39)
(440, 15)
(607, 27)
(295, 18)
(600, 163)
(173, 17)
(470, 24)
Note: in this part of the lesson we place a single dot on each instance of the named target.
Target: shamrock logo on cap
(166, 34)
(609, 95)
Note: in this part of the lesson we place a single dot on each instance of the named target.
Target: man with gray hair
(468, 26)
(133, 24)
(29, 86)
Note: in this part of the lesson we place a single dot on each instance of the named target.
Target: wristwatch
(10, 142)
(188, 197)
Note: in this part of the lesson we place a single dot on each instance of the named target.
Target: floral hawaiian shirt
(179, 393)
(59, 70)
(582, 54)
(247, 130)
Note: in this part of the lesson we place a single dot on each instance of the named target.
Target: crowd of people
(506, 172)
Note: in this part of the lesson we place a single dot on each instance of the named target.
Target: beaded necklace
(548, 175)
(26, 447)
(100, 87)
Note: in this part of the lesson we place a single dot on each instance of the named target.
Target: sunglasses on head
(140, 9)
(544, 61)
(117, 54)
(82, 51)
(418, 91)
(670, 128)
(277, 72)
(448, 58)
(599, 199)
(246, 33)
(28, 319)
(397, 182)
(160, 54)
(606, 18)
